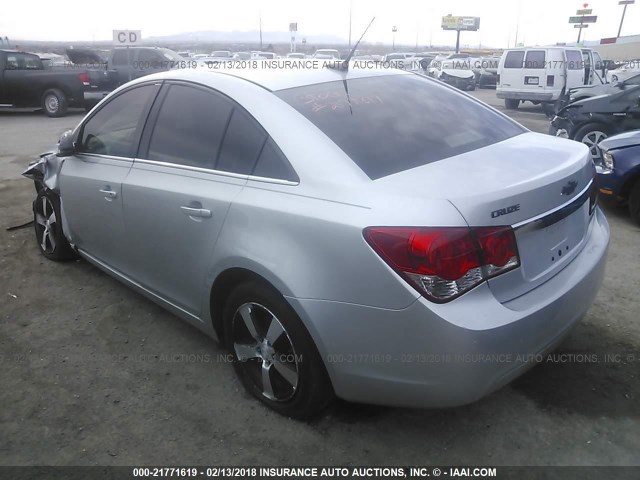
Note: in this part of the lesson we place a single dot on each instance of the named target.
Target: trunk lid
(513, 182)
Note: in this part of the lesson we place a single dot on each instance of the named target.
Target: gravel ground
(94, 374)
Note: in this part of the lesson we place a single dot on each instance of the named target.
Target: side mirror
(66, 145)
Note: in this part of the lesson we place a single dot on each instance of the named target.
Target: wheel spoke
(43, 243)
(245, 313)
(288, 372)
(52, 240)
(267, 389)
(44, 206)
(245, 352)
(40, 220)
(275, 330)
(52, 217)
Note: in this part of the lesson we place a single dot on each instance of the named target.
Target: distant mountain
(243, 37)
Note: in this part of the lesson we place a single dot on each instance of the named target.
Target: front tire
(511, 104)
(591, 135)
(273, 353)
(47, 221)
(54, 103)
(634, 202)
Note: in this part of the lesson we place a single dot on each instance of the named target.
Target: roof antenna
(345, 63)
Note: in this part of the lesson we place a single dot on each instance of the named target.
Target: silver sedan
(368, 234)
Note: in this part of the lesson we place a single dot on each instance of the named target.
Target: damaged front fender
(46, 170)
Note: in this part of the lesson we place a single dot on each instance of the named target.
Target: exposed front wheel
(591, 135)
(274, 355)
(48, 227)
(54, 103)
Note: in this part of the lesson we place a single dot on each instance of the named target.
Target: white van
(543, 75)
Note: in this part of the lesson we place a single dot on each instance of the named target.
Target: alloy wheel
(591, 140)
(265, 352)
(46, 225)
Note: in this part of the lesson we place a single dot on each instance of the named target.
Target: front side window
(514, 59)
(190, 127)
(115, 129)
(391, 123)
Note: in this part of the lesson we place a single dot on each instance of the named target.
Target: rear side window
(189, 127)
(574, 60)
(146, 55)
(391, 123)
(115, 128)
(273, 164)
(535, 59)
(514, 59)
(242, 144)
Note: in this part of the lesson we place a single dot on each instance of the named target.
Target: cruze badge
(505, 211)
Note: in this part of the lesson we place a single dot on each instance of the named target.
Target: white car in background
(455, 70)
(327, 53)
(627, 70)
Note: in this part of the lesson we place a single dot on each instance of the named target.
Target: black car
(592, 120)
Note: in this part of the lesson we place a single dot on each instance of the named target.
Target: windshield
(392, 123)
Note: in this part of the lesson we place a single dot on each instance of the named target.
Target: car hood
(454, 72)
(626, 139)
(601, 103)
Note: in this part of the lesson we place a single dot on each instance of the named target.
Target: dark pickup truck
(26, 83)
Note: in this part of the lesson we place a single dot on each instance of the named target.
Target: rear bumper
(461, 83)
(446, 355)
(530, 96)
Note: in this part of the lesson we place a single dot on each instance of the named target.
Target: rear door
(194, 160)
(511, 71)
(91, 180)
(574, 68)
(534, 71)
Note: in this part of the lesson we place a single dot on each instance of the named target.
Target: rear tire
(511, 104)
(634, 202)
(591, 135)
(54, 103)
(274, 355)
(47, 221)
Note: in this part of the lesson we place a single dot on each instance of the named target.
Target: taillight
(498, 79)
(84, 78)
(550, 80)
(443, 263)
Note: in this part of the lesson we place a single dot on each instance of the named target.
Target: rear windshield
(389, 124)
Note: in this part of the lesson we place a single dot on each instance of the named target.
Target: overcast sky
(540, 21)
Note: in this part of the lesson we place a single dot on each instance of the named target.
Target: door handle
(109, 194)
(196, 212)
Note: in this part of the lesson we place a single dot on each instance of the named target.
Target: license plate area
(531, 80)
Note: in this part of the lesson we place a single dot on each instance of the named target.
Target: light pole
(350, 8)
(624, 11)
(394, 29)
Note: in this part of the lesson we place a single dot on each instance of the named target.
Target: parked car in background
(588, 91)
(624, 71)
(242, 55)
(212, 203)
(221, 54)
(26, 83)
(542, 75)
(135, 62)
(326, 53)
(257, 55)
(454, 69)
(619, 170)
(486, 71)
(296, 55)
(593, 119)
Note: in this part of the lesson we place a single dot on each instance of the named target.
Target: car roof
(274, 79)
